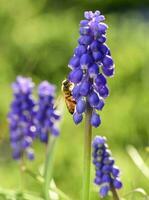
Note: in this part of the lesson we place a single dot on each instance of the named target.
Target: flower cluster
(21, 118)
(107, 174)
(29, 119)
(90, 65)
(47, 116)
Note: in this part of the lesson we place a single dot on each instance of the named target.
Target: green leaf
(58, 193)
(41, 169)
(48, 170)
(140, 191)
(28, 196)
(138, 161)
(7, 194)
(17, 195)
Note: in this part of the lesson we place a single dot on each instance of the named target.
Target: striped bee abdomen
(67, 87)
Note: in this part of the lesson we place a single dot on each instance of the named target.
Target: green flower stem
(87, 153)
(41, 181)
(114, 193)
(49, 165)
(21, 168)
(37, 177)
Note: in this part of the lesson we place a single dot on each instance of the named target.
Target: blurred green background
(37, 39)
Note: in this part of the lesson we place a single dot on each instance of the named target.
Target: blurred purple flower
(90, 65)
(107, 173)
(47, 116)
(21, 118)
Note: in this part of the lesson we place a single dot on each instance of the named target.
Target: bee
(67, 88)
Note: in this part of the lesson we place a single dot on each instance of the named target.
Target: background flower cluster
(106, 172)
(29, 119)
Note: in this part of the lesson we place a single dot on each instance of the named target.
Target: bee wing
(59, 104)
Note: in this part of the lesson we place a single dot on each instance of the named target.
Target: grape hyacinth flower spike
(47, 126)
(107, 174)
(90, 64)
(47, 116)
(21, 118)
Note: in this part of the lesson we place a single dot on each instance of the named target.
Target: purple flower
(95, 120)
(81, 106)
(77, 118)
(90, 65)
(104, 190)
(107, 173)
(47, 116)
(21, 119)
